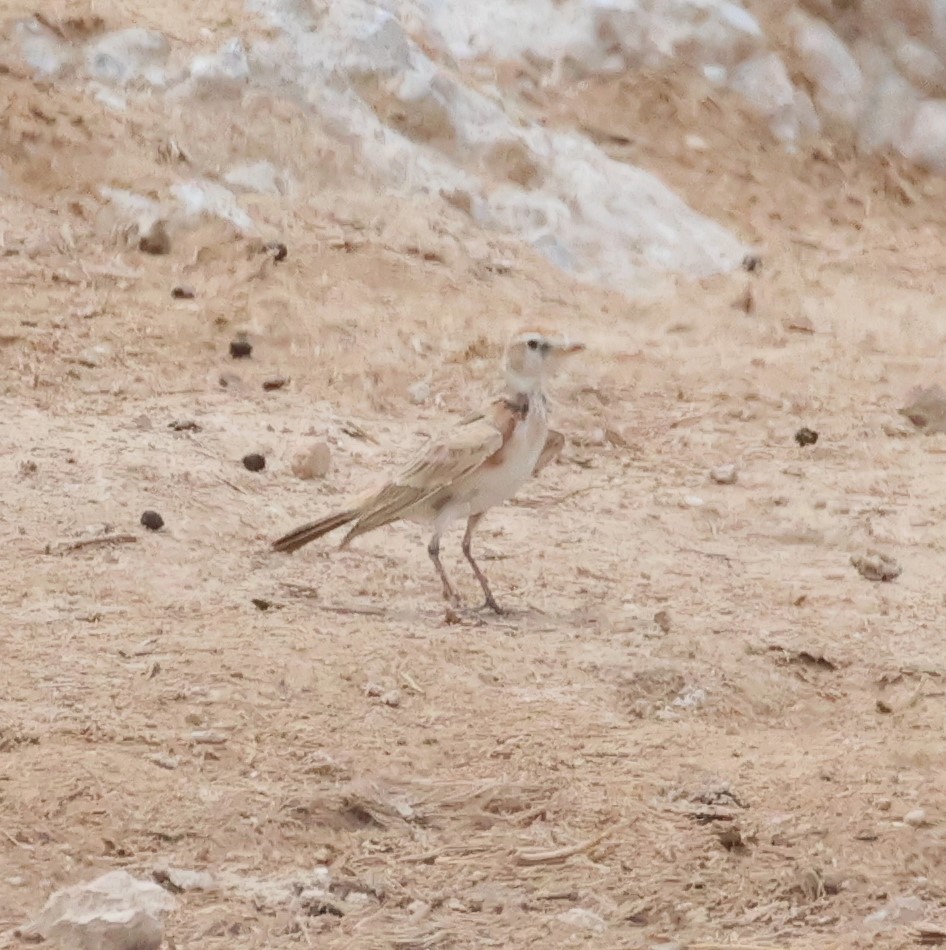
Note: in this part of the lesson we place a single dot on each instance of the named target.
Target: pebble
(208, 737)
(724, 474)
(240, 349)
(419, 393)
(272, 383)
(877, 567)
(254, 462)
(154, 239)
(152, 520)
(183, 292)
(915, 818)
(805, 436)
(312, 462)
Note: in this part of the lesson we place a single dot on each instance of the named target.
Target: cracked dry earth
(698, 723)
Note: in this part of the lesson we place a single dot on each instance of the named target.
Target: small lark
(483, 463)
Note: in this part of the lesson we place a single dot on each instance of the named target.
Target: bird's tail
(314, 529)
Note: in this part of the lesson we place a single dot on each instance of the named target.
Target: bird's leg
(449, 594)
(471, 524)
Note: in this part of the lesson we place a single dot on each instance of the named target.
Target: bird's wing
(435, 469)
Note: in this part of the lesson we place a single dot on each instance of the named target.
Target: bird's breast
(501, 476)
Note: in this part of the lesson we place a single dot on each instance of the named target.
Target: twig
(549, 501)
(723, 557)
(64, 547)
(410, 682)
(544, 856)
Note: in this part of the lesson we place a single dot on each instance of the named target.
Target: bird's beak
(571, 347)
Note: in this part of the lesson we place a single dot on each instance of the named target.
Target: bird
(481, 463)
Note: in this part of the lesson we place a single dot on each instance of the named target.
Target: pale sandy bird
(482, 463)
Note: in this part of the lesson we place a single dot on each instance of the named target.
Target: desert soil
(696, 723)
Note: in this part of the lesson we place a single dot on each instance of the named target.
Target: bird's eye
(533, 344)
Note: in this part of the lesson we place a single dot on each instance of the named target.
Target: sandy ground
(697, 723)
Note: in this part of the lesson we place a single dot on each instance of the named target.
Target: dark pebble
(152, 521)
(279, 250)
(254, 462)
(274, 383)
(806, 436)
(240, 349)
(183, 292)
(751, 263)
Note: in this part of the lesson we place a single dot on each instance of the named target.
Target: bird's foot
(490, 604)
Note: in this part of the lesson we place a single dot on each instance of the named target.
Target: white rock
(921, 66)
(44, 52)
(261, 177)
(418, 392)
(589, 34)
(113, 912)
(580, 918)
(831, 68)
(604, 221)
(127, 55)
(185, 880)
(224, 73)
(764, 82)
(695, 32)
(208, 198)
(889, 116)
(314, 461)
(925, 140)
(724, 474)
(915, 818)
(898, 911)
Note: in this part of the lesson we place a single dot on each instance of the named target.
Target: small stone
(230, 381)
(374, 690)
(876, 566)
(240, 348)
(391, 698)
(884, 804)
(261, 603)
(178, 880)
(805, 436)
(312, 462)
(277, 249)
(418, 393)
(693, 501)
(113, 912)
(915, 818)
(152, 520)
(163, 761)
(94, 356)
(184, 425)
(154, 239)
(662, 619)
(724, 474)
(183, 292)
(926, 408)
(254, 462)
(208, 737)
(272, 383)
(580, 918)
(751, 263)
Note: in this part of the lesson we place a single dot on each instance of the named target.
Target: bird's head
(532, 356)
